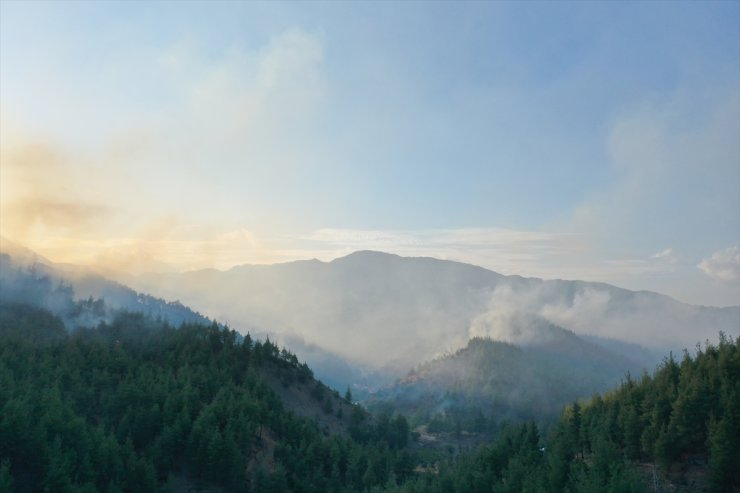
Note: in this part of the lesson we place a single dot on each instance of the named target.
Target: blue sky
(574, 140)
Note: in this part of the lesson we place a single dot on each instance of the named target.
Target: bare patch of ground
(325, 407)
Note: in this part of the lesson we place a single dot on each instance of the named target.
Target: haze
(556, 140)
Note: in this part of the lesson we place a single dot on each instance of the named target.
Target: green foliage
(6, 478)
(134, 402)
(125, 406)
(489, 383)
(686, 414)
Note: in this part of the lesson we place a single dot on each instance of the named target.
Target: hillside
(136, 405)
(354, 305)
(339, 316)
(82, 300)
(98, 398)
(676, 430)
(491, 382)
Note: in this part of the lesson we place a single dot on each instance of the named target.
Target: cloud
(672, 181)
(41, 189)
(238, 236)
(660, 262)
(171, 243)
(505, 250)
(212, 124)
(272, 132)
(666, 255)
(175, 251)
(53, 213)
(723, 265)
(241, 106)
(673, 160)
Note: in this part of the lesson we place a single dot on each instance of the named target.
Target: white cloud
(723, 265)
(662, 261)
(666, 255)
(247, 90)
(206, 142)
(165, 246)
(507, 251)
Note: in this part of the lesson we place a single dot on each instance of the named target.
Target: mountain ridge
(365, 254)
(353, 307)
(489, 382)
(425, 299)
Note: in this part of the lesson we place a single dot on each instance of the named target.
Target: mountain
(20, 254)
(139, 394)
(137, 405)
(75, 294)
(81, 298)
(349, 306)
(675, 430)
(489, 382)
(367, 318)
(386, 311)
(127, 402)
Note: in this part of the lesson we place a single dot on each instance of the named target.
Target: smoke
(510, 318)
(522, 314)
(586, 313)
(36, 284)
(388, 312)
(42, 190)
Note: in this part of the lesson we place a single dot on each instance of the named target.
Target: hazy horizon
(552, 140)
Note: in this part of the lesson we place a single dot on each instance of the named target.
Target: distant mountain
(489, 382)
(391, 312)
(80, 298)
(73, 293)
(367, 318)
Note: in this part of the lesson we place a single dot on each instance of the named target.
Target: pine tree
(6, 478)
(724, 453)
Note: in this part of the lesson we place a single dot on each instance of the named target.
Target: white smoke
(523, 316)
(586, 313)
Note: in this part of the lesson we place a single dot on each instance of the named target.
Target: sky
(587, 140)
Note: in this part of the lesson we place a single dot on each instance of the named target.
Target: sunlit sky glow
(593, 141)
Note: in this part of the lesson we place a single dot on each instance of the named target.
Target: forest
(676, 430)
(135, 404)
(425, 246)
(489, 383)
(130, 405)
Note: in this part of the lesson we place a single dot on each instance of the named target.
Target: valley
(415, 434)
(428, 246)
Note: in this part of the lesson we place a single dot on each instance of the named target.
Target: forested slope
(678, 430)
(137, 405)
(489, 382)
(42, 285)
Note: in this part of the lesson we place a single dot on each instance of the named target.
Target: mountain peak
(366, 255)
(22, 254)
